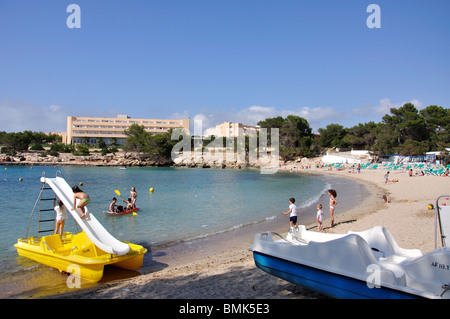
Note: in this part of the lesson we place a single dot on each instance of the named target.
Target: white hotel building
(81, 128)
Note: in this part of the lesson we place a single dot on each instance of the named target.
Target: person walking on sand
(293, 213)
(333, 203)
(386, 178)
(319, 217)
(61, 216)
(83, 200)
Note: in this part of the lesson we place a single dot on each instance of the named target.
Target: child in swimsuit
(333, 203)
(129, 204)
(112, 206)
(133, 196)
(83, 200)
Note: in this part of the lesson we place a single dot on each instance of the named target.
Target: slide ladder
(90, 225)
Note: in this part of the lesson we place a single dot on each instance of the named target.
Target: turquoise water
(186, 203)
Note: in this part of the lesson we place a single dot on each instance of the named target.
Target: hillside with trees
(405, 131)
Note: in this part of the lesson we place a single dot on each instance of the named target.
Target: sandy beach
(223, 266)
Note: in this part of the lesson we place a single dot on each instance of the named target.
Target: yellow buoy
(151, 190)
(430, 206)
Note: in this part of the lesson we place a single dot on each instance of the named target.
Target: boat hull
(78, 255)
(91, 272)
(327, 283)
(134, 210)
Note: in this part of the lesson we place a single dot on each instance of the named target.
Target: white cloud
(253, 114)
(317, 117)
(384, 107)
(17, 116)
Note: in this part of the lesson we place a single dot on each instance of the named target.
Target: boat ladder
(47, 213)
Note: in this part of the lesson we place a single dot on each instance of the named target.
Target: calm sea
(185, 204)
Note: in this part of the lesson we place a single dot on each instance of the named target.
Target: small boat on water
(64, 252)
(367, 264)
(124, 212)
(84, 254)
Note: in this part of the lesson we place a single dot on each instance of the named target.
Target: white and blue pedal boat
(367, 264)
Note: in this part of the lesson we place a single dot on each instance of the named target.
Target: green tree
(16, 141)
(407, 121)
(101, 143)
(157, 146)
(362, 136)
(413, 148)
(333, 136)
(81, 150)
(386, 142)
(85, 140)
(136, 138)
(437, 120)
(295, 135)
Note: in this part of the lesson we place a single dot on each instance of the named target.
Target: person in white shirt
(319, 217)
(293, 213)
(61, 216)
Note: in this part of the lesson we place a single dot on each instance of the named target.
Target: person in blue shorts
(293, 213)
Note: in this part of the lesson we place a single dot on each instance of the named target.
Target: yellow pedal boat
(77, 254)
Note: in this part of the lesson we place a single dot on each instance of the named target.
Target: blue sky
(220, 60)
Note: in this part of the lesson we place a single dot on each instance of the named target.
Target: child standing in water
(333, 203)
(293, 213)
(133, 196)
(319, 217)
(84, 200)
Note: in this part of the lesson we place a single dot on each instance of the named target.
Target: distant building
(81, 128)
(228, 129)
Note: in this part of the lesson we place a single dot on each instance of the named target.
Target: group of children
(319, 217)
(131, 202)
(61, 213)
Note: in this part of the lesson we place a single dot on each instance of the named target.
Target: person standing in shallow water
(333, 203)
(61, 216)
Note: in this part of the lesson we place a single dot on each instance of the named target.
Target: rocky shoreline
(129, 159)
